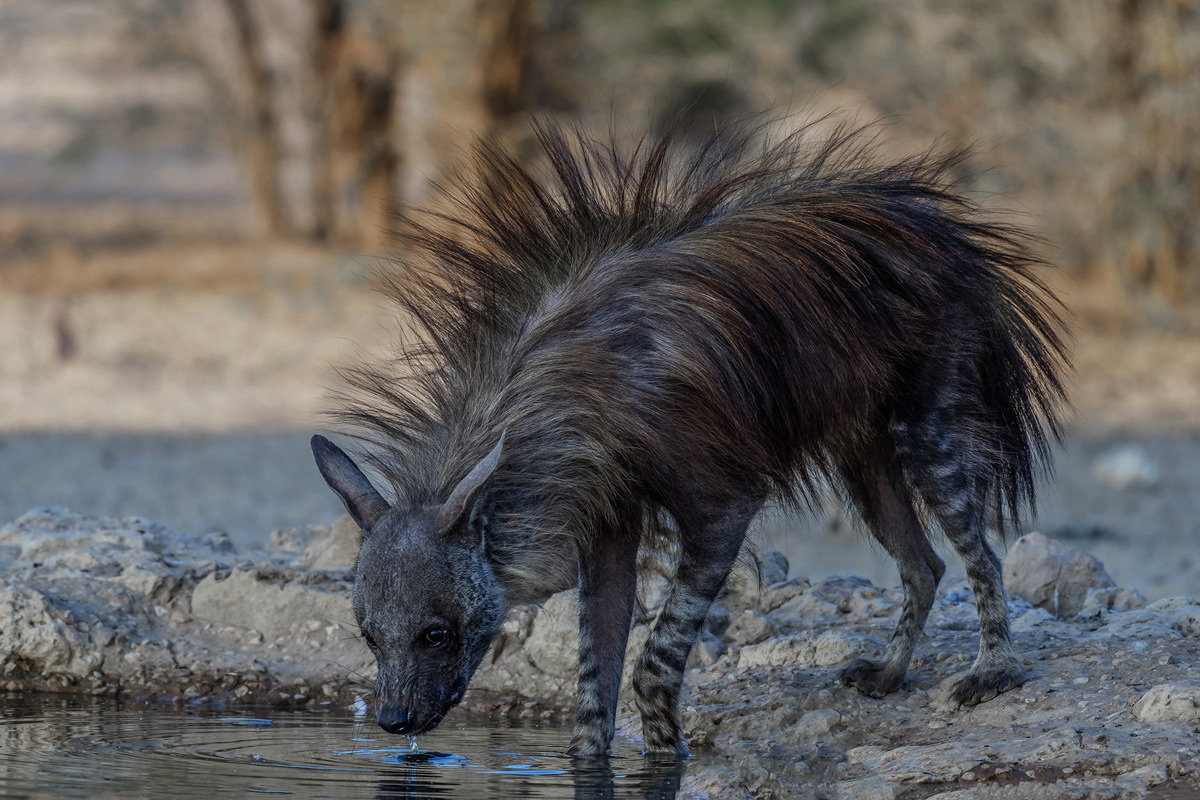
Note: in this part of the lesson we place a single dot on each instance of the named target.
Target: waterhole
(55, 747)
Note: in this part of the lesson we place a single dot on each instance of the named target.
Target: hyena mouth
(429, 726)
(453, 699)
(456, 697)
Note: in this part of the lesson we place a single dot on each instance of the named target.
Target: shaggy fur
(669, 339)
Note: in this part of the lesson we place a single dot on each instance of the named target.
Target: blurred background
(193, 191)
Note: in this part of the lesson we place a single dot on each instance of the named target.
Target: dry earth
(1110, 709)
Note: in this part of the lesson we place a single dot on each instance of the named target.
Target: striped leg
(708, 553)
(887, 508)
(607, 588)
(954, 485)
(996, 668)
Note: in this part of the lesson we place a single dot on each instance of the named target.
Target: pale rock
(32, 630)
(832, 600)
(1052, 575)
(774, 596)
(1140, 625)
(872, 787)
(1127, 467)
(65, 540)
(154, 583)
(952, 760)
(817, 723)
(337, 549)
(745, 584)
(1031, 620)
(1111, 598)
(1062, 789)
(1181, 613)
(1169, 701)
(296, 539)
(1149, 775)
(750, 627)
(553, 642)
(707, 783)
(245, 600)
(807, 650)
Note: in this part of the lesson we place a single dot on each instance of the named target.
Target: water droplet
(412, 743)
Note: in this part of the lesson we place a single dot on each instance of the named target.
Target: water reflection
(591, 778)
(65, 748)
(595, 780)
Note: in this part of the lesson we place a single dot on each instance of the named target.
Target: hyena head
(425, 596)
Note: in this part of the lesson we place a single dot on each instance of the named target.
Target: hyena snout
(394, 719)
(418, 712)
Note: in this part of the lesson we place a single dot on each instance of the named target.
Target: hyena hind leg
(943, 464)
(708, 553)
(887, 508)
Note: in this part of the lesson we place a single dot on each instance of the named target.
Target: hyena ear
(358, 495)
(472, 501)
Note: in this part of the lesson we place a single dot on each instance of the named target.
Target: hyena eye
(370, 642)
(436, 637)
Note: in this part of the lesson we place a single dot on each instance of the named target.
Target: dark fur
(694, 333)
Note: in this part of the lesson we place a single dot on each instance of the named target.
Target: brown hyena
(641, 350)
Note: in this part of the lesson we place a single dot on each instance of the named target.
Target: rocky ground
(1111, 709)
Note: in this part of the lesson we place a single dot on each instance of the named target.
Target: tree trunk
(508, 60)
(375, 92)
(260, 129)
(328, 44)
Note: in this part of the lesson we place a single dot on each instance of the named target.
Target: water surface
(56, 747)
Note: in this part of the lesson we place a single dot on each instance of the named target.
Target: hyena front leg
(607, 590)
(945, 464)
(708, 552)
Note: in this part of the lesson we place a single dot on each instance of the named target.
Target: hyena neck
(530, 562)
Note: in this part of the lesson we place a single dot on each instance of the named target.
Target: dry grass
(181, 338)
(1084, 115)
(220, 337)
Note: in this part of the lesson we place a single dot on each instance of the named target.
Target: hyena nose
(393, 719)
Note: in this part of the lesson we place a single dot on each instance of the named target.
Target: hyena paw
(979, 687)
(586, 745)
(666, 746)
(870, 678)
(663, 738)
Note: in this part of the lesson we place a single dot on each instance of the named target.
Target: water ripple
(51, 747)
